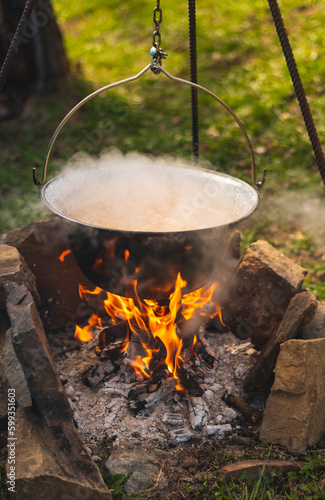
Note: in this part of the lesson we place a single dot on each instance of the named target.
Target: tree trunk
(39, 63)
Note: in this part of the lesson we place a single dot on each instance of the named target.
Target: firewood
(249, 413)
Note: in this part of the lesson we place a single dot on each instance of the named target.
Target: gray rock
(140, 465)
(14, 373)
(34, 354)
(52, 463)
(316, 328)
(14, 268)
(294, 414)
(4, 327)
(41, 244)
(259, 293)
(301, 310)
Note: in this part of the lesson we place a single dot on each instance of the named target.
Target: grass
(207, 483)
(240, 60)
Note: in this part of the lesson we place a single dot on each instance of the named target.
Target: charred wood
(188, 382)
(201, 351)
(166, 388)
(248, 412)
(112, 340)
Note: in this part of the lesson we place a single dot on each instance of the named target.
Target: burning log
(188, 382)
(200, 349)
(112, 340)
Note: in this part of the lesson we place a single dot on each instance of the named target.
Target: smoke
(299, 209)
(145, 194)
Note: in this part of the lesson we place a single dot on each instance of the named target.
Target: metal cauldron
(113, 257)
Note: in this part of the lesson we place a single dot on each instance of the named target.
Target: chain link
(157, 53)
(157, 18)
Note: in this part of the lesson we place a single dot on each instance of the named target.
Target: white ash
(168, 418)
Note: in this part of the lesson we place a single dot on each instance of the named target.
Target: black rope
(299, 89)
(193, 70)
(30, 4)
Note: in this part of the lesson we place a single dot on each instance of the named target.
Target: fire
(64, 254)
(156, 327)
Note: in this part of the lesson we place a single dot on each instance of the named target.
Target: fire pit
(199, 398)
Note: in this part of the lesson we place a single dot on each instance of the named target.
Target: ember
(152, 337)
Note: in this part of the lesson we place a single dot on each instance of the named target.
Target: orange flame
(149, 321)
(64, 254)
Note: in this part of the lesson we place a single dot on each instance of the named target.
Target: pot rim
(57, 212)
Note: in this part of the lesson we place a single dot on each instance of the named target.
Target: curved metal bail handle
(234, 116)
(131, 79)
(72, 112)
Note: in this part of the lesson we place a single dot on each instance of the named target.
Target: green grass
(306, 483)
(239, 58)
(208, 483)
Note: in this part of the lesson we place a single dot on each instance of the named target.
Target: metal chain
(157, 18)
(157, 54)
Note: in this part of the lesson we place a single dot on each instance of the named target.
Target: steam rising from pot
(137, 193)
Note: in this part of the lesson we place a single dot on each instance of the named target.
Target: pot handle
(260, 183)
(158, 69)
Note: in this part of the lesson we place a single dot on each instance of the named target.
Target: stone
(259, 293)
(138, 464)
(14, 373)
(254, 468)
(4, 327)
(52, 463)
(34, 354)
(316, 328)
(301, 310)
(14, 268)
(294, 414)
(41, 244)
